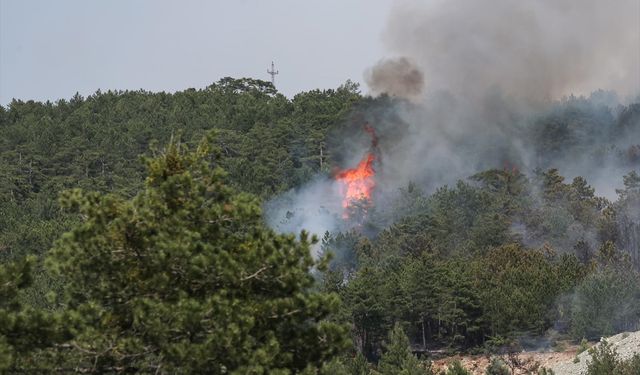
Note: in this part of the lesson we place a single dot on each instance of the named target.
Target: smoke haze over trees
(528, 86)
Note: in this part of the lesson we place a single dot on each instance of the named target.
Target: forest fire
(358, 183)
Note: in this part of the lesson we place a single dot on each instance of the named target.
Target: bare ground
(478, 364)
(561, 362)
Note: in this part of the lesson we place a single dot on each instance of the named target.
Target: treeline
(269, 144)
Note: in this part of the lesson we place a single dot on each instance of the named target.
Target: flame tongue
(359, 181)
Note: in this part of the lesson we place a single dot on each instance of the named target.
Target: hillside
(458, 262)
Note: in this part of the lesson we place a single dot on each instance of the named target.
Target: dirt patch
(478, 364)
(562, 363)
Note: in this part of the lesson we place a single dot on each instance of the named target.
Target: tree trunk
(424, 335)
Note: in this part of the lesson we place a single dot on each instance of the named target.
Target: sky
(52, 49)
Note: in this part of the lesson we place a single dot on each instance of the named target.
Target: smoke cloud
(491, 85)
(396, 77)
(496, 69)
(530, 49)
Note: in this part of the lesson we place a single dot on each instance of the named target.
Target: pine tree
(358, 365)
(23, 329)
(398, 358)
(185, 277)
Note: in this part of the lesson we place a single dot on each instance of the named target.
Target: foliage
(456, 368)
(630, 366)
(584, 346)
(607, 301)
(23, 329)
(519, 288)
(334, 367)
(190, 279)
(178, 271)
(269, 144)
(497, 367)
(358, 365)
(397, 358)
(604, 360)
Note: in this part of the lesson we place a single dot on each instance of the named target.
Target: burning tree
(357, 184)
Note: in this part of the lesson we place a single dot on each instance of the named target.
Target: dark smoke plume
(396, 77)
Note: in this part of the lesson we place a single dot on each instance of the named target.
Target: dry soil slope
(626, 344)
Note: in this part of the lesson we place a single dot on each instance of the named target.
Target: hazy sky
(51, 49)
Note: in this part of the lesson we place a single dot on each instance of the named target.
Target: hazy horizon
(51, 50)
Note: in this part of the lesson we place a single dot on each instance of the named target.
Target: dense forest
(133, 238)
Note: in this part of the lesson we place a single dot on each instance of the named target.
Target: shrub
(456, 368)
(497, 367)
(604, 359)
(584, 345)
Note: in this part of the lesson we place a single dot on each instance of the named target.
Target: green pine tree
(398, 358)
(23, 329)
(186, 278)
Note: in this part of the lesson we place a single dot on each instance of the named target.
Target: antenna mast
(272, 73)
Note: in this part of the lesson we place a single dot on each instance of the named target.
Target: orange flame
(359, 181)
